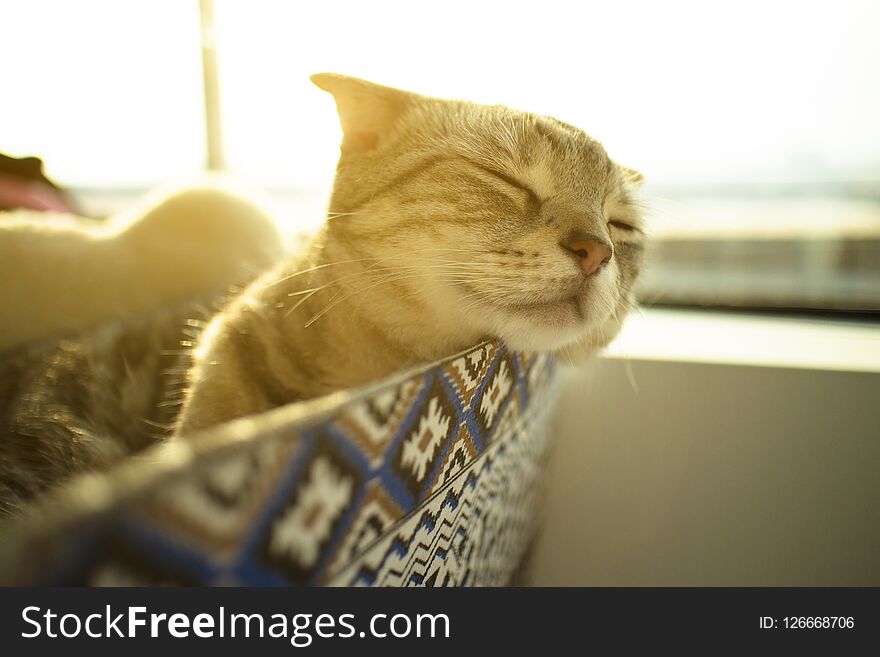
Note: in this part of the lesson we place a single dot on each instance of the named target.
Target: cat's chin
(544, 326)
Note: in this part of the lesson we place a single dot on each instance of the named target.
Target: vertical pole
(214, 160)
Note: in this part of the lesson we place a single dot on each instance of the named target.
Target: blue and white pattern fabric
(429, 479)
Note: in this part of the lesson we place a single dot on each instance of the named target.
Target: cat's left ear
(367, 111)
(631, 176)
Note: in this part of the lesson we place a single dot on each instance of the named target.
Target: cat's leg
(61, 278)
(240, 368)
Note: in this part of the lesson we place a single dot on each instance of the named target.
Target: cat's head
(505, 223)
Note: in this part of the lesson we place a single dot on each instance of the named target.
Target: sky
(109, 93)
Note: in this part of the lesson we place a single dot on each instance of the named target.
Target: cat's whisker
(376, 263)
(409, 256)
(312, 292)
(394, 277)
(333, 304)
(407, 268)
(311, 269)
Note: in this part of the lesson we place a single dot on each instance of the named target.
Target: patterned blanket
(431, 478)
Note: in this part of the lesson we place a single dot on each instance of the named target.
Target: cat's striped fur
(88, 400)
(447, 225)
(445, 228)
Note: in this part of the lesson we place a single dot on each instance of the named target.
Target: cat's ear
(631, 176)
(366, 110)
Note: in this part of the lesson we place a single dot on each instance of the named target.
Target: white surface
(714, 337)
(698, 474)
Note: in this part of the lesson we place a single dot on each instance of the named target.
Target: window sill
(698, 336)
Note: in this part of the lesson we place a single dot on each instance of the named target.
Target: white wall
(713, 474)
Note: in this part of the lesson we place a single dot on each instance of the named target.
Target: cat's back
(90, 399)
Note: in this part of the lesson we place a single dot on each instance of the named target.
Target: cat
(92, 320)
(65, 273)
(449, 223)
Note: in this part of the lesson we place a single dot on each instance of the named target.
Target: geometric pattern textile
(431, 478)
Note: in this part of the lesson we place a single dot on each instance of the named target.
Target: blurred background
(720, 443)
(755, 123)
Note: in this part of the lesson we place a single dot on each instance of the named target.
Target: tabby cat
(449, 223)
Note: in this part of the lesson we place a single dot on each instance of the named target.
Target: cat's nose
(592, 253)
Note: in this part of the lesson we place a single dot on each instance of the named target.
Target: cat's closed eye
(622, 225)
(513, 182)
